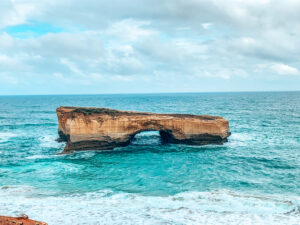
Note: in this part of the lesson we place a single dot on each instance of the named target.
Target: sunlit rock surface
(104, 129)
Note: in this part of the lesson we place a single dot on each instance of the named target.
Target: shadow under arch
(143, 137)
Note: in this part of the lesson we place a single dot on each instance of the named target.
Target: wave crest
(108, 207)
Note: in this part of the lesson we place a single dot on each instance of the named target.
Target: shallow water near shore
(252, 179)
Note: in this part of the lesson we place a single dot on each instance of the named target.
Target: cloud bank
(67, 47)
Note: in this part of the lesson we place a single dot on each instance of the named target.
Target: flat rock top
(113, 112)
(7, 220)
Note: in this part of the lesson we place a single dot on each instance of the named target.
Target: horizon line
(151, 93)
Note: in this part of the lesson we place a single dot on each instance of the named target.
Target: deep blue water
(256, 175)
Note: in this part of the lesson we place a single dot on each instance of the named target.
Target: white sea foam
(83, 154)
(40, 156)
(147, 138)
(5, 136)
(239, 139)
(49, 141)
(106, 207)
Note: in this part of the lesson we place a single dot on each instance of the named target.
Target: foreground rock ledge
(103, 129)
(22, 220)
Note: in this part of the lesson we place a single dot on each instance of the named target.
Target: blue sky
(94, 47)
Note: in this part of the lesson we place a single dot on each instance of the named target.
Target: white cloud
(285, 69)
(130, 30)
(14, 12)
(71, 66)
(206, 25)
(223, 73)
(13, 64)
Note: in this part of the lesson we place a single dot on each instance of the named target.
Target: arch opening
(148, 137)
(152, 137)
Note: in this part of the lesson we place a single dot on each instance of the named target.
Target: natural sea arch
(103, 129)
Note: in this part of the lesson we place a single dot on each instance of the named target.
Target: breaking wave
(5, 136)
(108, 207)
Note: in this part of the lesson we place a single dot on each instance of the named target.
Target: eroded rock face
(103, 129)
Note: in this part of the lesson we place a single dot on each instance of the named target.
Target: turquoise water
(252, 179)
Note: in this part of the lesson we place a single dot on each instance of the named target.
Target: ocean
(254, 178)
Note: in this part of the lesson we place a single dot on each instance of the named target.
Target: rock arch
(103, 129)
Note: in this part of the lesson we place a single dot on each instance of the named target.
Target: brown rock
(21, 220)
(102, 129)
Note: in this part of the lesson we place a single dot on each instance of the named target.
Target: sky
(148, 46)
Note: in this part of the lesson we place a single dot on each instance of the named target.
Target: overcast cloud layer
(135, 46)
